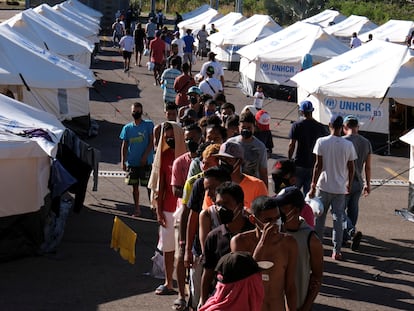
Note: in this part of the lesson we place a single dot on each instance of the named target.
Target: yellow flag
(123, 238)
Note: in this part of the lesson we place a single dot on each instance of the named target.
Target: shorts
(138, 175)
(188, 58)
(166, 242)
(158, 67)
(139, 48)
(126, 54)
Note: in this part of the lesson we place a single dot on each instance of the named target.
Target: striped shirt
(167, 80)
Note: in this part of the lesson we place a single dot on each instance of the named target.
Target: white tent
(42, 79)
(360, 82)
(325, 18)
(392, 31)
(225, 44)
(277, 58)
(354, 23)
(196, 22)
(66, 22)
(77, 16)
(227, 21)
(24, 161)
(198, 11)
(43, 32)
(87, 10)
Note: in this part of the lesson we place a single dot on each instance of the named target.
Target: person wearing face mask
(309, 269)
(229, 202)
(171, 146)
(267, 243)
(137, 152)
(231, 159)
(194, 98)
(255, 153)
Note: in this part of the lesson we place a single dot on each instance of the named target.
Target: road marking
(374, 182)
(395, 174)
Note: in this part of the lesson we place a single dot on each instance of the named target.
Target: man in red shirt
(182, 84)
(157, 56)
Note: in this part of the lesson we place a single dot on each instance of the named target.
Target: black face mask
(245, 133)
(136, 115)
(193, 100)
(171, 142)
(227, 167)
(226, 215)
(191, 145)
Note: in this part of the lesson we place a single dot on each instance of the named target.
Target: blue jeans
(337, 203)
(303, 178)
(352, 209)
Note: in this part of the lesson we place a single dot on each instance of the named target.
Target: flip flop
(163, 290)
(180, 304)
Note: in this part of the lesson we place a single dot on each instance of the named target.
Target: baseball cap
(350, 118)
(306, 106)
(283, 167)
(263, 120)
(236, 266)
(158, 33)
(231, 150)
(194, 89)
(210, 69)
(211, 53)
(189, 114)
(336, 121)
(290, 195)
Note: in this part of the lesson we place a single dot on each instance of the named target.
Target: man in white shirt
(127, 45)
(180, 43)
(218, 68)
(211, 85)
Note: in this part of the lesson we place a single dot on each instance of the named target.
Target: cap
(306, 106)
(231, 150)
(290, 195)
(263, 120)
(194, 89)
(351, 118)
(236, 266)
(283, 167)
(158, 33)
(210, 69)
(189, 114)
(176, 33)
(210, 54)
(336, 121)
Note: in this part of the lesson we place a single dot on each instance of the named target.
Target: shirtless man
(267, 243)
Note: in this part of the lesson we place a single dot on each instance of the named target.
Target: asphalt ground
(86, 274)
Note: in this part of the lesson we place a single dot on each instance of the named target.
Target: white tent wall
(409, 139)
(45, 33)
(393, 31)
(65, 104)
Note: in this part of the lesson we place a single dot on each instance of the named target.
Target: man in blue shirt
(188, 48)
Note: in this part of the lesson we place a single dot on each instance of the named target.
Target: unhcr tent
(67, 23)
(41, 79)
(45, 33)
(195, 23)
(225, 44)
(77, 16)
(227, 21)
(393, 31)
(354, 23)
(200, 10)
(277, 58)
(83, 10)
(325, 18)
(409, 139)
(360, 82)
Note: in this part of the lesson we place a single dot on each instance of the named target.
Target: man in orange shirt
(157, 56)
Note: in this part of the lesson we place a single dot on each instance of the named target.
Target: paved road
(85, 274)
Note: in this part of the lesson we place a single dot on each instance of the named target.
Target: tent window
(63, 101)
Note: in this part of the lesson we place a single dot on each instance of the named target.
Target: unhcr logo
(330, 103)
(265, 66)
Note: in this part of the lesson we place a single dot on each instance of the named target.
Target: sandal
(163, 290)
(180, 304)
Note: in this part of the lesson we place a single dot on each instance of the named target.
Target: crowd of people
(206, 170)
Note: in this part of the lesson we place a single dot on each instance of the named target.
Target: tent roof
(227, 21)
(66, 22)
(84, 8)
(15, 117)
(325, 17)
(38, 67)
(92, 25)
(197, 11)
(402, 88)
(247, 31)
(364, 72)
(393, 31)
(353, 23)
(292, 43)
(41, 31)
(77, 10)
(197, 21)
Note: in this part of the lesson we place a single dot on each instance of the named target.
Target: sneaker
(356, 240)
(336, 256)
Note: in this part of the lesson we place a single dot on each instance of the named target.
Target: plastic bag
(150, 66)
(158, 266)
(193, 59)
(146, 52)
